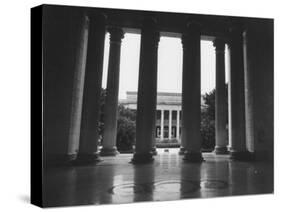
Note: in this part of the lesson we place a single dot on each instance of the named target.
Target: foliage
(126, 128)
(101, 118)
(208, 120)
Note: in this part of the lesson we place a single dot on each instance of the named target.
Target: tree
(101, 113)
(207, 128)
(126, 128)
(208, 119)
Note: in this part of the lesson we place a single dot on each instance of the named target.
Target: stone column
(88, 151)
(237, 96)
(170, 124)
(221, 99)
(111, 101)
(162, 125)
(178, 125)
(147, 92)
(191, 94)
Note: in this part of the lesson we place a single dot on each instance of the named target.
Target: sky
(169, 65)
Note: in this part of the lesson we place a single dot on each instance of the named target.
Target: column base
(87, 159)
(193, 157)
(109, 151)
(241, 156)
(141, 158)
(154, 151)
(221, 150)
(182, 150)
(57, 160)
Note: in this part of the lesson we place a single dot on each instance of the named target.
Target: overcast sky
(169, 65)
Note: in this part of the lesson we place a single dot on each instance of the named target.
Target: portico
(182, 120)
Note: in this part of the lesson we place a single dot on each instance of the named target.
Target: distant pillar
(237, 97)
(153, 149)
(147, 92)
(191, 94)
(88, 152)
(170, 124)
(162, 125)
(111, 102)
(178, 125)
(221, 99)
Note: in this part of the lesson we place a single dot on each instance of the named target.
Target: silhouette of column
(170, 124)
(220, 107)
(237, 96)
(147, 92)
(191, 97)
(162, 125)
(89, 136)
(111, 101)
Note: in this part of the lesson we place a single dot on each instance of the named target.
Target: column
(88, 151)
(162, 125)
(77, 96)
(221, 99)
(237, 96)
(147, 92)
(111, 101)
(170, 124)
(178, 125)
(191, 94)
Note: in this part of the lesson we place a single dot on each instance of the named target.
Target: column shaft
(237, 96)
(221, 99)
(191, 94)
(111, 101)
(89, 135)
(147, 92)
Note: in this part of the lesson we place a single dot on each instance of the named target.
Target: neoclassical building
(168, 113)
(73, 63)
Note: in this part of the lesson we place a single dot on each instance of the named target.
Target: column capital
(97, 18)
(193, 28)
(236, 28)
(150, 31)
(116, 34)
(219, 45)
(236, 34)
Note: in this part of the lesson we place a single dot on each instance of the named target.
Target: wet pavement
(115, 180)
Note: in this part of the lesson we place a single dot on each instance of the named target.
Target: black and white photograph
(152, 106)
(131, 106)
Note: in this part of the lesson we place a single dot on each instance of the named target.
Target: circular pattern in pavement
(166, 189)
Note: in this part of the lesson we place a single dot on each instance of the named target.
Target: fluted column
(221, 99)
(237, 96)
(147, 92)
(111, 101)
(191, 94)
(89, 136)
(162, 125)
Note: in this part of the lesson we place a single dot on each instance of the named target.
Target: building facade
(168, 114)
